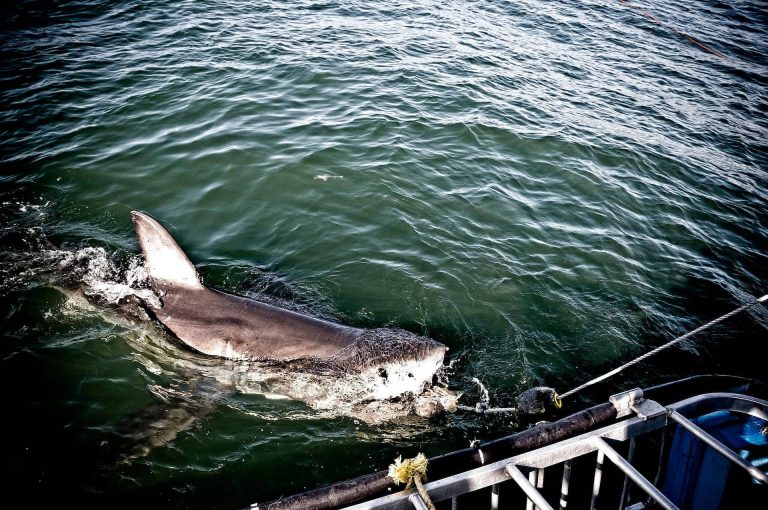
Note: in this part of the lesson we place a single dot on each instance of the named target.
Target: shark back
(220, 324)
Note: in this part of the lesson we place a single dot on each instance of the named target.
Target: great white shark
(363, 365)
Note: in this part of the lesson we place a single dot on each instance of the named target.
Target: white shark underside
(233, 327)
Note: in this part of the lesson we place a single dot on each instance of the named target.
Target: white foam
(100, 278)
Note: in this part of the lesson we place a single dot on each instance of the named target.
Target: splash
(100, 278)
(390, 385)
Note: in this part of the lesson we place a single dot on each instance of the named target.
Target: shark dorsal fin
(166, 263)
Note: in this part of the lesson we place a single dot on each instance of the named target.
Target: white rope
(484, 407)
(481, 408)
(662, 347)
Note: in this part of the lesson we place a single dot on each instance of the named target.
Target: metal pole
(719, 447)
(539, 481)
(495, 496)
(598, 479)
(527, 487)
(625, 488)
(532, 480)
(634, 474)
(566, 483)
(417, 502)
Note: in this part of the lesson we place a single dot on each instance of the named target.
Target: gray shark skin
(227, 326)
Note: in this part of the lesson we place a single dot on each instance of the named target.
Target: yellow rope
(410, 472)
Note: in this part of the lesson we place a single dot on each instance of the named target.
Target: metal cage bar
(597, 480)
(533, 494)
(417, 502)
(563, 451)
(719, 447)
(625, 487)
(565, 486)
(634, 474)
(532, 480)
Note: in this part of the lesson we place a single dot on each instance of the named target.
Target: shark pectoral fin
(165, 261)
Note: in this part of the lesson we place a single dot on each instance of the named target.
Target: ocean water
(548, 188)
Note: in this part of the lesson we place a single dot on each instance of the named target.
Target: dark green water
(549, 188)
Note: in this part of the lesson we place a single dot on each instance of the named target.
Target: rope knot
(410, 472)
(406, 471)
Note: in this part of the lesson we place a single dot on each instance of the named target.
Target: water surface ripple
(549, 188)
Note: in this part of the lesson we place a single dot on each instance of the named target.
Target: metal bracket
(624, 401)
(632, 401)
(646, 409)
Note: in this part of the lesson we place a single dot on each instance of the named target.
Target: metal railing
(527, 470)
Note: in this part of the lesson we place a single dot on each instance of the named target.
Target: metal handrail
(509, 469)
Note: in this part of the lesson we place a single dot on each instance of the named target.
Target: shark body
(233, 327)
